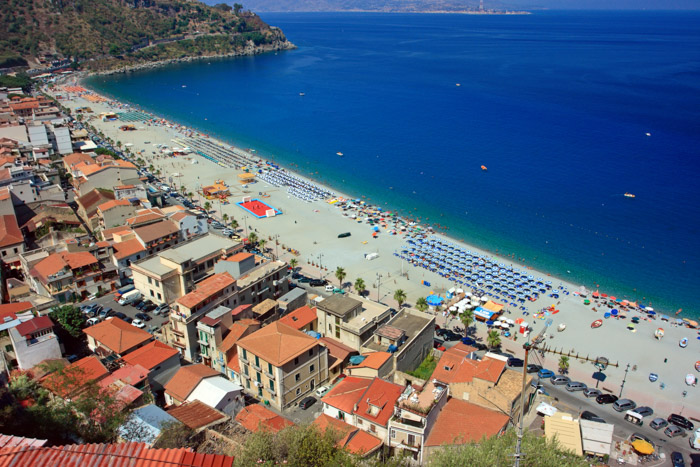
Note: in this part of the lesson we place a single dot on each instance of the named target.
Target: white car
(320, 392)
(138, 323)
(227, 232)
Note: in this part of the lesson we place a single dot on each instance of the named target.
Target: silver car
(576, 386)
(624, 404)
(559, 380)
(591, 392)
(658, 423)
(672, 431)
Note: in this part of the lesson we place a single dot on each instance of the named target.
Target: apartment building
(350, 318)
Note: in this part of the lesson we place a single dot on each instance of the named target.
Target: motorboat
(683, 343)
(340, 154)
(691, 380)
(630, 195)
(597, 323)
(653, 377)
(561, 327)
(483, 167)
(697, 365)
(659, 333)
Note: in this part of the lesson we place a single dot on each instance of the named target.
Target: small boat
(483, 167)
(302, 94)
(697, 365)
(691, 380)
(659, 333)
(458, 85)
(340, 154)
(683, 343)
(597, 323)
(653, 377)
(561, 327)
(630, 195)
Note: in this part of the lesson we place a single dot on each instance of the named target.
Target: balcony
(408, 424)
(257, 367)
(268, 374)
(245, 376)
(177, 332)
(243, 358)
(271, 391)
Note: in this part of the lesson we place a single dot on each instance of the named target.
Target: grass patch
(425, 369)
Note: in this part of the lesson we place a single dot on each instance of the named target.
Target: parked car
(162, 309)
(320, 392)
(677, 459)
(560, 380)
(227, 232)
(622, 405)
(515, 362)
(635, 436)
(138, 323)
(119, 315)
(344, 235)
(644, 411)
(672, 431)
(574, 386)
(318, 282)
(92, 321)
(468, 341)
(143, 304)
(680, 421)
(606, 399)
(532, 368)
(129, 319)
(307, 402)
(658, 423)
(149, 307)
(544, 373)
(450, 335)
(108, 311)
(439, 345)
(586, 415)
(591, 392)
(143, 316)
(305, 280)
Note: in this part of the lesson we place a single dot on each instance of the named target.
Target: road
(108, 301)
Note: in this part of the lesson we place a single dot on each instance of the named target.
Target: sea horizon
(512, 113)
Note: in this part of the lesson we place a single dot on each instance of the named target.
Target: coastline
(330, 251)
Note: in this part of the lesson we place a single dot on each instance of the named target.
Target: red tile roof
(90, 200)
(109, 455)
(152, 232)
(150, 355)
(129, 374)
(373, 360)
(108, 234)
(113, 204)
(300, 317)
(237, 331)
(186, 379)
(381, 394)
(277, 343)
(238, 257)
(117, 335)
(461, 422)
(347, 393)
(353, 439)
(56, 262)
(455, 366)
(207, 288)
(10, 310)
(336, 348)
(34, 325)
(9, 231)
(256, 417)
(197, 414)
(67, 382)
(76, 158)
(8, 441)
(241, 309)
(127, 248)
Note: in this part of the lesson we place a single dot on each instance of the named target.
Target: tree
(224, 217)
(493, 339)
(253, 239)
(360, 285)
(70, 318)
(293, 263)
(400, 297)
(340, 275)
(563, 364)
(237, 7)
(207, 206)
(467, 318)
(261, 244)
(421, 304)
(175, 435)
(234, 224)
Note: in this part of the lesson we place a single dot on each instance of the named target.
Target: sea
(568, 111)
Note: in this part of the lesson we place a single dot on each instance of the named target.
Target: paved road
(128, 310)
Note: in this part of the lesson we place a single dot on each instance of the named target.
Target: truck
(130, 297)
(118, 294)
(694, 439)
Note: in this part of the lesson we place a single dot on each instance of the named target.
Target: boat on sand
(597, 323)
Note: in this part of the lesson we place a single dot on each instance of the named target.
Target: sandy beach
(312, 228)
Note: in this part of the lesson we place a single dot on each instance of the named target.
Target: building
(190, 226)
(173, 273)
(227, 351)
(127, 250)
(11, 240)
(340, 401)
(114, 213)
(158, 236)
(352, 439)
(302, 319)
(372, 365)
(338, 356)
(461, 422)
(73, 379)
(145, 424)
(295, 298)
(211, 330)
(408, 336)
(104, 174)
(130, 192)
(197, 415)
(34, 341)
(161, 361)
(258, 279)
(114, 336)
(179, 388)
(256, 417)
(88, 204)
(350, 319)
(281, 365)
(567, 432)
(220, 394)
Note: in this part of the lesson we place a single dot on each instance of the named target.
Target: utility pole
(624, 379)
(320, 268)
(379, 283)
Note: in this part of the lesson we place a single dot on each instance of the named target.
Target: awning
(483, 313)
(546, 409)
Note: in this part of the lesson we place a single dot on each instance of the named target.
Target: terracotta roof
(129, 374)
(11, 309)
(347, 393)
(113, 204)
(237, 331)
(197, 414)
(178, 216)
(277, 343)
(256, 417)
(152, 232)
(68, 382)
(336, 348)
(9, 231)
(461, 422)
(353, 439)
(117, 335)
(125, 249)
(186, 379)
(240, 309)
(76, 158)
(56, 262)
(205, 289)
(92, 168)
(300, 317)
(143, 218)
(34, 325)
(381, 394)
(90, 200)
(456, 367)
(150, 355)
(8, 441)
(373, 360)
(107, 234)
(109, 455)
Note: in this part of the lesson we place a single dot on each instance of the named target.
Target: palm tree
(340, 275)
(467, 319)
(563, 364)
(225, 218)
(253, 238)
(261, 244)
(293, 263)
(359, 285)
(421, 304)
(493, 340)
(207, 206)
(234, 224)
(400, 296)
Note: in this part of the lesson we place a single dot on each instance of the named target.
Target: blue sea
(557, 105)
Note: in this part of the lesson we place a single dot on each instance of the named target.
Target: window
(150, 281)
(359, 421)
(337, 332)
(296, 377)
(272, 385)
(245, 370)
(372, 428)
(298, 391)
(247, 383)
(269, 368)
(311, 369)
(257, 376)
(313, 384)
(245, 354)
(257, 361)
(393, 434)
(259, 392)
(296, 360)
(411, 440)
(311, 352)
(152, 294)
(160, 297)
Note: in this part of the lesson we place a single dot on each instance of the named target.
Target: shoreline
(312, 229)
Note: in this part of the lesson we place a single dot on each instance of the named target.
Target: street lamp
(379, 283)
(320, 268)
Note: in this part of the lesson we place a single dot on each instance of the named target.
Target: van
(633, 417)
(624, 404)
(575, 386)
(130, 297)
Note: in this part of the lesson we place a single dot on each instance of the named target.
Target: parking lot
(154, 323)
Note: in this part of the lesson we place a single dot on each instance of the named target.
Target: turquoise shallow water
(557, 106)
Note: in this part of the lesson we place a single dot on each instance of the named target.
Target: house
(126, 384)
(486, 382)
(302, 319)
(256, 417)
(197, 415)
(219, 393)
(10, 314)
(258, 278)
(214, 291)
(566, 430)
(72, 379)
(161, 361)
(295, 298)
(71, 160)
(104, 175)
(338, 356)
(340, 401)
(115, 336)
(130, 192)
(211, 330)
(114, 213)
(266, 311)
(352, 439)
(145, 424)
(281, 365)
(415, 414)
(408, 336)
(372, 365)
(173, 273)
(11, 240)
(88, 204)
(461, 422)
(350, 319)
(65, 275)
(157, 236)
(126, 252)
(189, 225)
(34, 341)
(179, 388)
(227, 350)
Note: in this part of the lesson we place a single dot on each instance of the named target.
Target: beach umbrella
(643, 447)
(690, 322)
(651, 312)
(648, 308)
(489, 323)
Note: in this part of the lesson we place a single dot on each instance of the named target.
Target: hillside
(114, 31)
(386, 6)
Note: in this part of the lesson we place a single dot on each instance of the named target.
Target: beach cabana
(483, 314)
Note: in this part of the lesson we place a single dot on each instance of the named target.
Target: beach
(312, 228)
